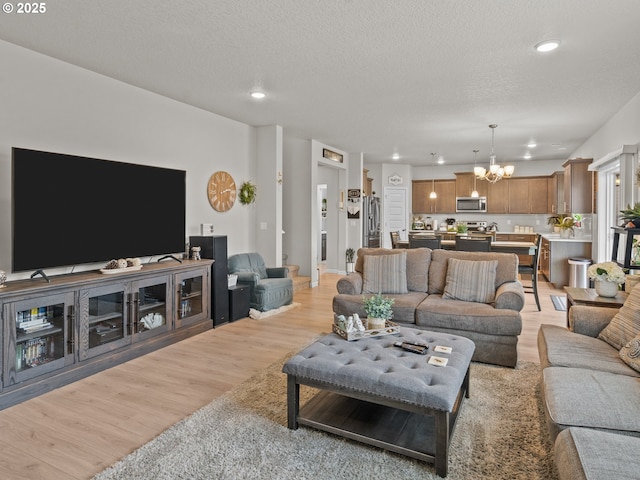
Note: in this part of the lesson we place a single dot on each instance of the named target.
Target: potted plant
(350, 252)
(607, 277)
(378, 310)
(631, 216)
(554, 221)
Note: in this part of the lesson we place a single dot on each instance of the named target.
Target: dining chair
(429, 241)
(474, 244)
(395, 238)
(532, 269)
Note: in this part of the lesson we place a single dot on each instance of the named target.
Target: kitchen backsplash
(508, 223)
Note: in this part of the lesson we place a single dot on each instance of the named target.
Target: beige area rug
(257, 314)
(500, 434)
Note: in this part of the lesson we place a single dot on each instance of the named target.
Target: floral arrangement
(378, 306)
(607, 271)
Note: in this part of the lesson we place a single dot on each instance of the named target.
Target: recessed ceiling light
(440, 161)
(396, 156)
(531, 145)
(547, 46)
(527, 156)
(258, 95)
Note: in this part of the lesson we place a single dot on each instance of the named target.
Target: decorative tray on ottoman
(389, 329)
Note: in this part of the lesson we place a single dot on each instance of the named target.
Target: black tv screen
(69, 210)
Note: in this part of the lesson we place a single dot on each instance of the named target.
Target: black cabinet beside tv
(215, 248)
(56, 333)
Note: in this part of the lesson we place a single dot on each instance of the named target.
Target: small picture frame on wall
(331, 155)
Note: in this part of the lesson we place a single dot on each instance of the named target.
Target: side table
(238, 302)
(588, 296)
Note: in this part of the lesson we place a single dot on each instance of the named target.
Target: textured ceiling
(372, 76)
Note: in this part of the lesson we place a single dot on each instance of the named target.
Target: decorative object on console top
(122, 265)
(3, 278)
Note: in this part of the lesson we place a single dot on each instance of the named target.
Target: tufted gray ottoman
(381, 395)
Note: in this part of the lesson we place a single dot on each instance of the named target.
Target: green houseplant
(631, 216)
(378, 310)
(349, 253)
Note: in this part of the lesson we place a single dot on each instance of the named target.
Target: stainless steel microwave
(471, 204)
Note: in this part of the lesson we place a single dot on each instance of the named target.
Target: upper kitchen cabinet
(555, 193)
(445, 201)
(520, 195)
(464, 185)
(578, 186)
(538, 195)
(498, 197)
(367, 183)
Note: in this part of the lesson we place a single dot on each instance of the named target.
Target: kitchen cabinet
(522, 195)
(518, 194)
(555, 193)
(464, 185)
(78, 324)
(367, 183)
(538, 195)
(498, 197)
(578, 186)
(445, 201)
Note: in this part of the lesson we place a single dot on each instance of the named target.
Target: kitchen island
(555, 253)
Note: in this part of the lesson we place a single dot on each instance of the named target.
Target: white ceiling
(372, 76)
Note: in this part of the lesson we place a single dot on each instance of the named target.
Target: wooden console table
(588, 296)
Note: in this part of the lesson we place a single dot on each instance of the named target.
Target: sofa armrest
(510, 295)
(590, 320)
(350, 284)
(250, 278)
(277, 272)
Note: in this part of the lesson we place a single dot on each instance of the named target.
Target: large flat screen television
(70, 210)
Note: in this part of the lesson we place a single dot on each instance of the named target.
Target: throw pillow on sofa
(385, 273)
(630, 353)
(626, 324)
(470, 280)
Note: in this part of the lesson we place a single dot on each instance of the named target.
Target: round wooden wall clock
(221, 191)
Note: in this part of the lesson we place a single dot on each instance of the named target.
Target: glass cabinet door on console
(36, 337)
(190, 299)
(150, 307)
(104, 320)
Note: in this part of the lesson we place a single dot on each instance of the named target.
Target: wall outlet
(206, 229)
(263, 225)
(508, 222)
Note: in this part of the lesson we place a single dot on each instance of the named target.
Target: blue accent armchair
(270, 287)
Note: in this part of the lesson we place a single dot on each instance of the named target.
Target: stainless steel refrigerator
(371, 222)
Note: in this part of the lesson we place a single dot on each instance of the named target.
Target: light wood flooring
(78, 430)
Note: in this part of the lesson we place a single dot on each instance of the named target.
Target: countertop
(555, 237)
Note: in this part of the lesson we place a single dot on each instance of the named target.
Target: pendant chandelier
(433, 193)
(475, 193)
(495, 172)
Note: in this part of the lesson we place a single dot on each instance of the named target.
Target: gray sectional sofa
(430, 300)
(591, 397)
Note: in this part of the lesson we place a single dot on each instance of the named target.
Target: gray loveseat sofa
(493, 325)
(591, 396)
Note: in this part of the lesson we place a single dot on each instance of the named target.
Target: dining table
(519, 248)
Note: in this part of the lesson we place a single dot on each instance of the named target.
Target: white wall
(268, 205)
(46, 104)
(623, 128)
(298, 205)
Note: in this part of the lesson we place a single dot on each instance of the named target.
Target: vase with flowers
(607, 277)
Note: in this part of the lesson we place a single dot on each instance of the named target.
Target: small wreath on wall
(247, 193)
